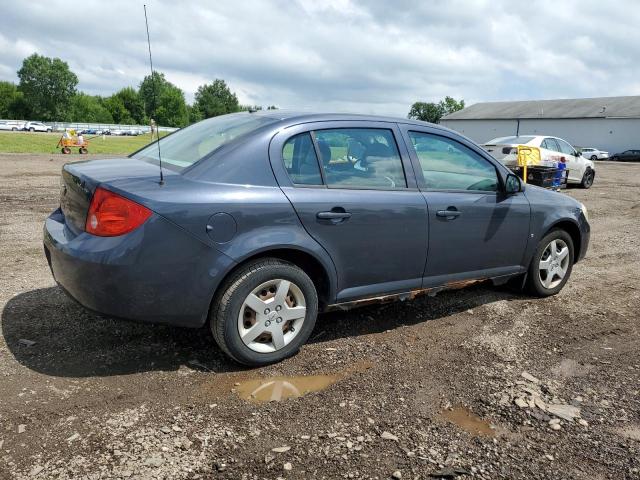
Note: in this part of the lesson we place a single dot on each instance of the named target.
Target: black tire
(594, 157)
(82, 150)
(588, 178)
(14, 129)
(66, 150)
(534, 283)
(226, 307)
(32, 129)
(614, 159)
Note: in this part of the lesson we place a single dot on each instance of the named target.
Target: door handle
(335, 216)
(449, 214)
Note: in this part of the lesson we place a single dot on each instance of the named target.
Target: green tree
(132, 101)
(195, 115)
(115, 105)
(8, 95)
(450, 105)
(433, 112)
(216, 99)
(164, 102)
(427, 112)
(172, 108)
(48, 85)
(89, 108)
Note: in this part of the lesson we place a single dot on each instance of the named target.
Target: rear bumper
(158, 273)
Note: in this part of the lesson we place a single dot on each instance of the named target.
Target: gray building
(608, 123)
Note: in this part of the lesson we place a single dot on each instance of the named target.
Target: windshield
(522, 139)
(189, 145)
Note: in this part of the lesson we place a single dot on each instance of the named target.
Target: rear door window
(449, 165)
(300, 160)
(360, 158)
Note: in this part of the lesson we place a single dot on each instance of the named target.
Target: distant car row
(25, 126)
(626, 156)
(17, 126)
(121, 132)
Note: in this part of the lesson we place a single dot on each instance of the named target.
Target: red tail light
(111, 214)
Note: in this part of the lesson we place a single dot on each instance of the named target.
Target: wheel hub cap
(271, 316)
(554, 263)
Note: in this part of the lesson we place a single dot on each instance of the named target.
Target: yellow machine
(528, 156)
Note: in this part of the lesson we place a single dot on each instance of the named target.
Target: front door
(575, 164)
(349, 189)
(475, 230)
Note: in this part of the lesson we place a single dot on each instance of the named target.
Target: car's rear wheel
(587, 178)
(551, 264)
(265, 312)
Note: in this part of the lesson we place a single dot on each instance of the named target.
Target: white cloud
(370, 56)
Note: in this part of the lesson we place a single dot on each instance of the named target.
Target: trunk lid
(80, 179)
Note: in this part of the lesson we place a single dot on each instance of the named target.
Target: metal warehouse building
(607, 123)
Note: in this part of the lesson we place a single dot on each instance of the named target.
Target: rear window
(521, 140)
(189, 145)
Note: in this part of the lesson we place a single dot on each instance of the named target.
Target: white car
(581, 170)
(594, 153)
(37, 127)
(11, 125)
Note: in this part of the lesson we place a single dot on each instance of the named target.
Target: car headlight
(585, 212)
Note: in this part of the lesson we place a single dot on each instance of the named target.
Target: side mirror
(512, 184)
(578, 154)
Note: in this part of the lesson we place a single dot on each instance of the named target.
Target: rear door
(353, 188)
(475, 230)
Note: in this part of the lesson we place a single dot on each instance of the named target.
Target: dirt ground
(478, 382)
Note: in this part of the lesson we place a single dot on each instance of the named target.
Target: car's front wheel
(587, 178)
(594, 157)
(551, 264)
(265, 312)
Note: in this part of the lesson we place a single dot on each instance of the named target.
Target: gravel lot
(478, 382)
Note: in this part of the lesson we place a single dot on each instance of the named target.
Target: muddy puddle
(468, 421)
(277, 389)
(280, 388)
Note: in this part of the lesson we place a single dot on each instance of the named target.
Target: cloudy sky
(375, 56)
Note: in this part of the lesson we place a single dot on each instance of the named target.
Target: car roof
(307, 117)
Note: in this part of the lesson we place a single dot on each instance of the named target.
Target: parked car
(627, 156)
(581, 170)
(37, 127)
(11, 125)
(117, 132)
(262, 220)
(594, 153)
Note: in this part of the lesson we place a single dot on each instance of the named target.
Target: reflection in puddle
(276, 389)
(468, 421)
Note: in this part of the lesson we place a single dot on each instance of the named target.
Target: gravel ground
(479, 382)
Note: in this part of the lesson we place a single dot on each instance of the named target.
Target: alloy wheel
(271, 316)
(554, 263)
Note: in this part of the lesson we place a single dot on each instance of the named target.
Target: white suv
(37, 127)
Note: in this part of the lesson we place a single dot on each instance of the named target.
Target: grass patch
(27, 142)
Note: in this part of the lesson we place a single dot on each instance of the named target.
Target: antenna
(153, 87)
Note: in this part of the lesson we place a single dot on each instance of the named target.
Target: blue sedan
(262, 220)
